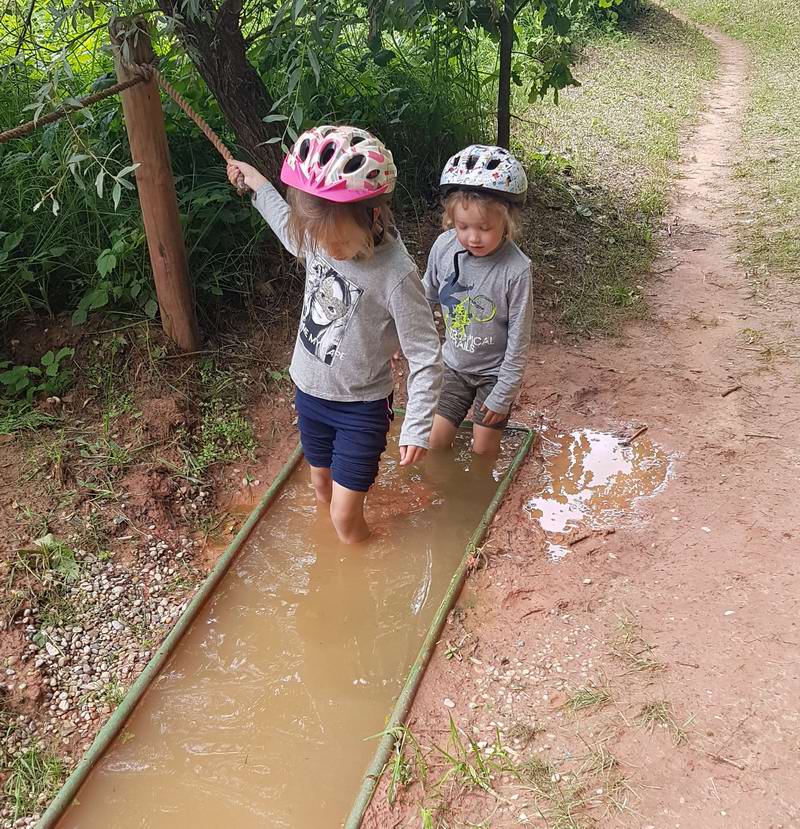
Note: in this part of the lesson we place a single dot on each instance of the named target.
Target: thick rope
(26, 129)
(241, 187)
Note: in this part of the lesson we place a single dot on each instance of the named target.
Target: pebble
(448, 703)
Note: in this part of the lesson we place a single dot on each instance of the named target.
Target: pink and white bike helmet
(340, 164)
(487, 168)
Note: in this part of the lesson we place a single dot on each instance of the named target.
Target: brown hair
(486, 203)
(312, 219)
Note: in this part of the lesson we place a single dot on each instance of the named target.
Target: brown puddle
(593, 481)
(263, 715)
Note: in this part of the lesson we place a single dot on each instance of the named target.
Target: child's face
(480, 231)
(346, 240)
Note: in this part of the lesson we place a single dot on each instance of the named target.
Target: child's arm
(266, 199)
(420, 344)
(430, 281)
(520, 317)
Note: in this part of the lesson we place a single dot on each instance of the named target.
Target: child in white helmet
(363, 300)
(482, 281)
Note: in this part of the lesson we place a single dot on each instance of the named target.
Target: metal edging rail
(111, 729)
(409, 691)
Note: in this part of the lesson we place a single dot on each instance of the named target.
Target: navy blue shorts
(347, 438)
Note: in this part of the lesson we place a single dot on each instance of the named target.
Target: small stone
(729, 612)
(448, 703)
(587, 581)
(63, 705)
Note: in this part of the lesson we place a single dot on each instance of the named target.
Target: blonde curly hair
(486, 204)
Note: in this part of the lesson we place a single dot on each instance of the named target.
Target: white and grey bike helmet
(488, 169)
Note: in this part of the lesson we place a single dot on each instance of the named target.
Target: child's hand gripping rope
(239, 172)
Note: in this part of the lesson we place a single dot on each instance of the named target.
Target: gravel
(74, 675)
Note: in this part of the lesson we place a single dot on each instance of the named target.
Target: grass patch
(603, 169)
(630, 648)
(768, 163)
(20, 416)
(659, 713)
(42, 576)
(568, 794)
(224, 435)
(34, 776)
(590, 698)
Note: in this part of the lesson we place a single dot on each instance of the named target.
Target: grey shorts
(460, 391)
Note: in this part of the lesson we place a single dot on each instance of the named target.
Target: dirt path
(707, 582)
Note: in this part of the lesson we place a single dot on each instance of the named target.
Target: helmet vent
(493, 164)
(326, 154)
(304, 148)
(354, 163)
(471, 162)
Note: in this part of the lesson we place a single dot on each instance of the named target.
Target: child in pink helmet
(363, 301)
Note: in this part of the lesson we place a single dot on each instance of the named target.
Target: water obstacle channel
(258, 708)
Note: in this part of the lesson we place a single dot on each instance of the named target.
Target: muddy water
(263, 716)
(593, 481)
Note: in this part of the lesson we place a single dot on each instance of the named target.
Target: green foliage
(224, 435)
(50, 378)
(33, 777)
(421, 73)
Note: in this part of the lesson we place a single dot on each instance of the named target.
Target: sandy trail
(711, 570)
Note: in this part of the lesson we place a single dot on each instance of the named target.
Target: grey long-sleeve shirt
(488, 309)
(356, 314)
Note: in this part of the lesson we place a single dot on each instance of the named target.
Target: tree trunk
(504, 83)
(214, 42)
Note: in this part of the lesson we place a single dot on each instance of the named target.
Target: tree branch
(25, 28)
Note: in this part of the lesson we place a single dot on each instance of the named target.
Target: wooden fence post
(144, 121)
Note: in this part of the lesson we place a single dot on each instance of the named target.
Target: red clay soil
(709, 736)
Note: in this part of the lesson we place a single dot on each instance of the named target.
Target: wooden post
(144, 120)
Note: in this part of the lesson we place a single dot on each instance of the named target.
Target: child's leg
(442, 433)
(357, 450)
(316, 438)
(347, 514)
(485, 440)
(454, 401)
(321, 481)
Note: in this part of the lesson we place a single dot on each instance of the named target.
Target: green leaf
(98, 298)
(312, 59)
(106, 262)
(12, 240)
(271, 119)
(281, 13)
(383, 57)
(294, 79)
(98, 183)
(151, 308)
(116, 194)
(48, 359)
